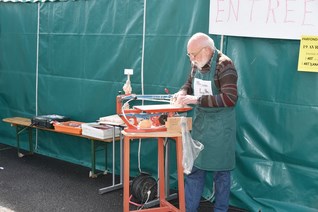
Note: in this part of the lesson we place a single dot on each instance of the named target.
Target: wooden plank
(162, 108)
(20, 121)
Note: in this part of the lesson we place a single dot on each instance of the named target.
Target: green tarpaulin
(69, 58)
(32, 1)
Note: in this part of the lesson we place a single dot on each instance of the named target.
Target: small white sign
(202, 87)
(129, 71)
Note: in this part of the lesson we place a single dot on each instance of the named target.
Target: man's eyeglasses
(195, 54)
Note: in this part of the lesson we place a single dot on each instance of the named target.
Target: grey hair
(207, 41)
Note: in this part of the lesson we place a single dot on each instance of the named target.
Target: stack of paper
(98, 130)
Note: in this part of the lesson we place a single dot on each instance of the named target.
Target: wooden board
(18, 121)
(161, 108)
(26, 122)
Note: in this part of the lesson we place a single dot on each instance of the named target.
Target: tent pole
(143, 48)
(221, 43)
(37, 71)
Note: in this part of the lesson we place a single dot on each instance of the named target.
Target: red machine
(147, 118)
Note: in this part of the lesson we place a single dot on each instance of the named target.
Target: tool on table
(147, 118)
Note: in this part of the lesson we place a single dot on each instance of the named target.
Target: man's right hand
(188, 99)
(177, 96)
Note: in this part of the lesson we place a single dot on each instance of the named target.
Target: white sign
(286, 19)
(129, 71)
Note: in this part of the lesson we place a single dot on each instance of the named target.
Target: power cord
(212, 195)
(139, 156)
(148, 195)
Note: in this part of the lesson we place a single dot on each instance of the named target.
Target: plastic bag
(191, 148)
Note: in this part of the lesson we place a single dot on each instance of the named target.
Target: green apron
(215, 128)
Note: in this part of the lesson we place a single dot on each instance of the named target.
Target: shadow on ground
(39, 183)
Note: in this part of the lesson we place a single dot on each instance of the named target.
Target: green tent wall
(69, 58)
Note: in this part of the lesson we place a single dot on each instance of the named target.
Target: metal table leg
(18, 132)
(115, 185)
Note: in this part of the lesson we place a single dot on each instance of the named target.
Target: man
(212, 88)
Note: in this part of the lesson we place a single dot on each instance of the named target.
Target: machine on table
(147, 118)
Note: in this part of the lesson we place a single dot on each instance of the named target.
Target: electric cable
(148, 195)
(134, 203)
(139, 154)
(212, 195)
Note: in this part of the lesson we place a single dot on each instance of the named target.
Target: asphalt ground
(38, 183)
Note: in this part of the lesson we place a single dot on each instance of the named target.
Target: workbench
(23, 124)
(164, 205)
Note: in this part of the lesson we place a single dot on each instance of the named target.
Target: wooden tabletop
(20, 121)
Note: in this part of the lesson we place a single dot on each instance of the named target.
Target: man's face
(197, 55)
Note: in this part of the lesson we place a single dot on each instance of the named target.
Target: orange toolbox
(73, 127)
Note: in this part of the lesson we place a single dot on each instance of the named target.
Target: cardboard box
(173, 124)
(101, 131)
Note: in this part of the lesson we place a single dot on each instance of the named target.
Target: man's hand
(176, 97)
(187, 99)
(180, 93)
